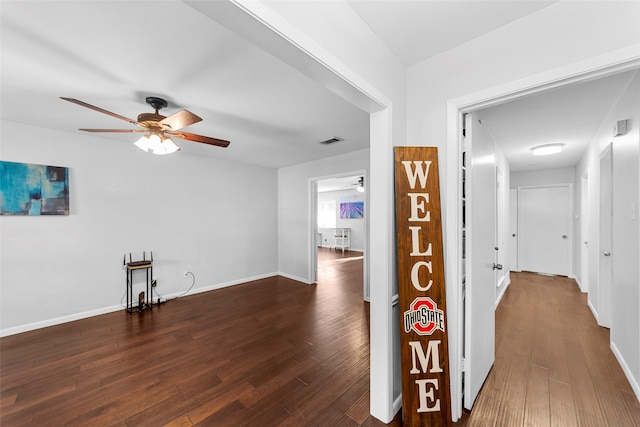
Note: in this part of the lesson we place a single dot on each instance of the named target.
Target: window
(327, 214)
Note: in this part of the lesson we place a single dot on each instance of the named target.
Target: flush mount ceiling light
(547, 149)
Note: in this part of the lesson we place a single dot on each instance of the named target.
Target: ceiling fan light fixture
(547, 149)
(142, 143)
(170, 147)
(157, 144)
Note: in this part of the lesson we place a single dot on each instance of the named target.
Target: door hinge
(464, 125)
(463, 365)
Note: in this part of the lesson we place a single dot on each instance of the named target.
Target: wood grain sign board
(426, 400)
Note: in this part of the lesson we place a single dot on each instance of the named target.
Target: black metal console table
(145, 299)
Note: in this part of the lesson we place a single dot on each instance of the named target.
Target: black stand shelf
(145, 299)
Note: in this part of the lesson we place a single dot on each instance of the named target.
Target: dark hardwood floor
(265, 353)
(275, 352)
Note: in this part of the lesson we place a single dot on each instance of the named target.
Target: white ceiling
(113, 54)
(416, 30)
(570, 115)
(339, 183)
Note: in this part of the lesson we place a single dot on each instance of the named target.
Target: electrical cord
(122, 299)
(193, 282)
(159, 297)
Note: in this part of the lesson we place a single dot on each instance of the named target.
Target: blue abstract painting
(27, 189)
(351, 207)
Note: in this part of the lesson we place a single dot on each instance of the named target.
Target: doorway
(456, 110)
(546, 238)
(340, 225)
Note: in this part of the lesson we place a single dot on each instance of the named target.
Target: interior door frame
(313, 208)
(584, 232)
(500, 242)
(514, 232)
(596, 67)
(605, 243)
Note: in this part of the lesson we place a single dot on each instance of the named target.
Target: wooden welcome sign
(425, 352)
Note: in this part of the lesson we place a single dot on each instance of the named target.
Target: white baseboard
(579, 282)
(506, 281)
(593, 310)
(220, 285)
(349, 249)
(83, 315)
(296, 278)
(58, 320)
(397, 405)
(627, 372)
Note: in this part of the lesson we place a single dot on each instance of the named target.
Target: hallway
(553, 363)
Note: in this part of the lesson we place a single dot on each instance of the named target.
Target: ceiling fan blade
(179, 120)
(114, 130)
(199, 138)
(101, 110)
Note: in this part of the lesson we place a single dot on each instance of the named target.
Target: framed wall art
(351, 207)
(33, 190)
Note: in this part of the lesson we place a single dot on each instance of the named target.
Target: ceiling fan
(359, 185)
(157, 128)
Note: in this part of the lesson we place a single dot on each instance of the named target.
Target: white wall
(215, 218)
(625, 322)
(543, 177)
(578, 37)
(356, 225)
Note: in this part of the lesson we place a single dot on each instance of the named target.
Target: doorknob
(497, 266)
(513, 235)
(564, 236)
(606, 253)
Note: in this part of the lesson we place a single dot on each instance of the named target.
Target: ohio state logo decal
(424, 317)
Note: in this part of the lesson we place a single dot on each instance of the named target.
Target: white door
(513, 230)
(545, 229)
(605, 251)
(481, 257)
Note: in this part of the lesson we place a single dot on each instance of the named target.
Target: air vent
(331, 140)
